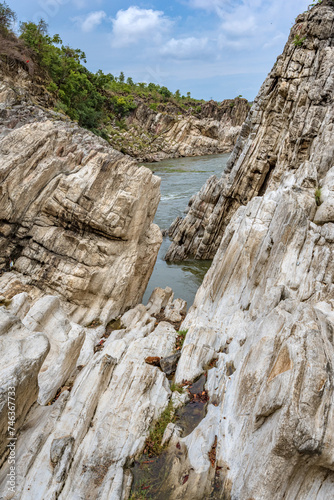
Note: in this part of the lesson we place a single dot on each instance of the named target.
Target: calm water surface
(181, 178)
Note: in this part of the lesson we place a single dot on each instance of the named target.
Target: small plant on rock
(177, 388)
(153, 443)
(318, 196)
(298, 40)
(181, 335)
(139, 495)
(318, 2)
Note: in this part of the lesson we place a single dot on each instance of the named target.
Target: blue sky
(213, 48)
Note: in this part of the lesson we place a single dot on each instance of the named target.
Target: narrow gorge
(242, 385)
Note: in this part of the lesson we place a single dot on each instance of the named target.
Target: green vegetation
(7, 18)
(154, 106)
(153, 442)
(177, 388)
(318, 196)
(139, 495)
(298, 41)
(94, 100)
(181, 336)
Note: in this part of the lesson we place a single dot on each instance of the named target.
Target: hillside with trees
(103, 103)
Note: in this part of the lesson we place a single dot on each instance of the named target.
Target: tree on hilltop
(7, 17)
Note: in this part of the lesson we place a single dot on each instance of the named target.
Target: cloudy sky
(213, 48)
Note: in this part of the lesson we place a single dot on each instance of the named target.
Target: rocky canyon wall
(280, 136)
(171, 133)
(265, 310)
(76, 215)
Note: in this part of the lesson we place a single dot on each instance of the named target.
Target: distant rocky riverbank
(172, 133)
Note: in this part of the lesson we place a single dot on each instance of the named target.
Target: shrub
(176, 388)
(154, 106)
(181, 336)
(123, 105)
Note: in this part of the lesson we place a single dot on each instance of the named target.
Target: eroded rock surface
(80, 446)
(76, 215)
(265, 310)
(22, 355)
(288, 128)
(171, 133)
(261, 327)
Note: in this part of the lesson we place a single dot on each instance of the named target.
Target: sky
(215, 49)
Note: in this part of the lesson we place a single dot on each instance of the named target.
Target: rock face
(288, 128)
(265, 311)
(154, 135)
(76, 215)
(65, 339)
(22, 355)
(79, 447)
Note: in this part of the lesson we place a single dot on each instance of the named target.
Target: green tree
(75, 86)
(130, 82)
(123, 105)
(121, 77)
(165, 92)
(102, 81)
(7, 17)
(177, 95)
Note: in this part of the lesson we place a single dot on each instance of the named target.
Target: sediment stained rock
(290, 119)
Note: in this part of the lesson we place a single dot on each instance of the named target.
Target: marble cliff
(171, 132)
(76, 215)
(260, 330)
(280, 136)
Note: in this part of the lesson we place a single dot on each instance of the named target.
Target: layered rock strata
(80, 445)
(265, 312)
(291, 116)
(154, 135)
(75, 215)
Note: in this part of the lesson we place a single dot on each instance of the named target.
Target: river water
(181, 178)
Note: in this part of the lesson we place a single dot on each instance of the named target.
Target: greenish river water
(181, 178)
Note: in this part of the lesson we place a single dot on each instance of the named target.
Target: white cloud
(136, 24)
(91, 21)
(210, 5)
(251, 24)
(82, 4)
(186, 48)
(240, 27)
